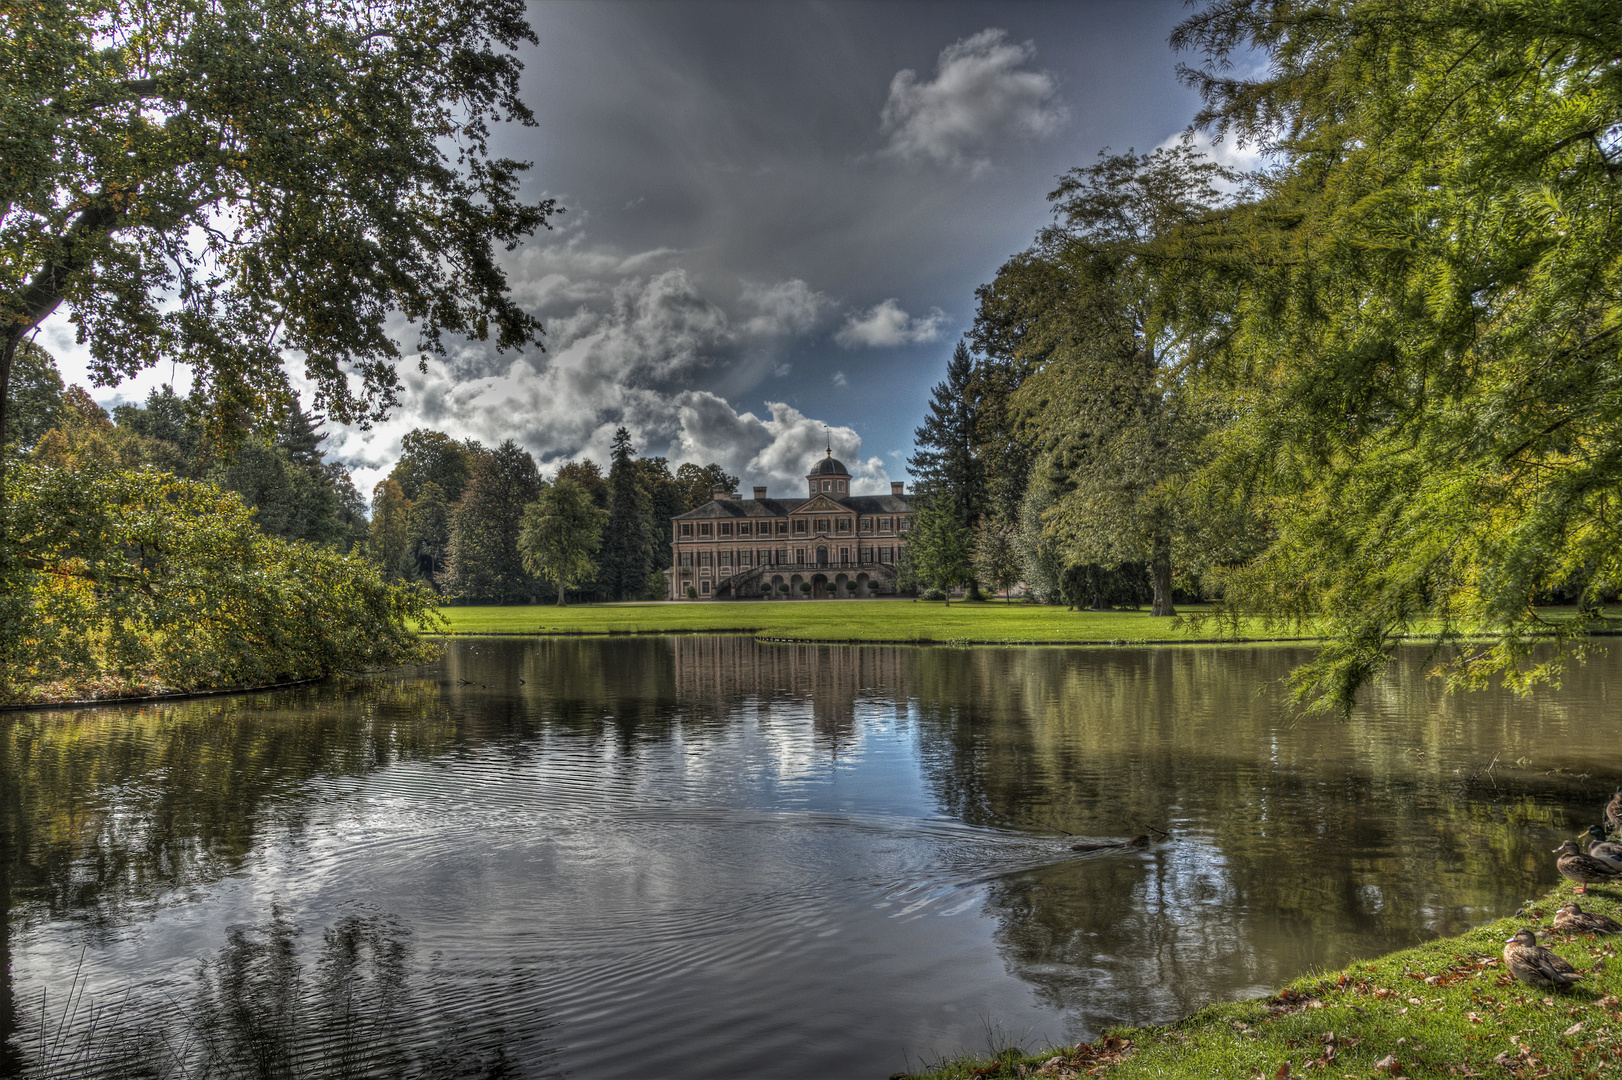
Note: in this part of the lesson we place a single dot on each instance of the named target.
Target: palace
(830, 544)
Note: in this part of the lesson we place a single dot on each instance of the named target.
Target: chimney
(722, 494)
(895, 487)
(760, 493)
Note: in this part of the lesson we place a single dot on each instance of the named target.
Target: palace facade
(830, 544)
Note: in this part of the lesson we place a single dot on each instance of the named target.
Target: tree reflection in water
(258, 1014)
(555, 807)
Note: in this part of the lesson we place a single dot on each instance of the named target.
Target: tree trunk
(8, 350)
(1160, 569)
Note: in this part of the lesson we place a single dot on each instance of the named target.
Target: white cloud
(788, 307)
(839, 379)
(979, 93)
(886, 326)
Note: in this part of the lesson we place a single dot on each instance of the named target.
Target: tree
(390, 530)
(945, 461)
(561, 533)
(1111, 404)
(940, 548)
(699, 483)
(484, 559)
(1422, 337)
(146, 582)
(628, 550)
(428, 535)
(996, 558)
(292, 173)
(432, 457)
(36, 397)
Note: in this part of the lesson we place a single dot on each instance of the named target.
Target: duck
(1602, 849)
(1536, 966)
(1613, 811)
(1110, 845)
(1572, 917)
(1582, 869)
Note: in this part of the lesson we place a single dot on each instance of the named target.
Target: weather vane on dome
(826, 432)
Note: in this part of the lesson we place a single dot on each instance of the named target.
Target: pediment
(821, 504)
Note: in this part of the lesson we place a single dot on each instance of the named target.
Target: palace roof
(775, 508)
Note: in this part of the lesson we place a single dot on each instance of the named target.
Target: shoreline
(1443, 1008)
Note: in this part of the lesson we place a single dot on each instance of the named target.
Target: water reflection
(696, 856)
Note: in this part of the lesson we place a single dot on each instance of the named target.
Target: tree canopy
(291, 173)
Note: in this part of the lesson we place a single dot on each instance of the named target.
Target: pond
(702, 856)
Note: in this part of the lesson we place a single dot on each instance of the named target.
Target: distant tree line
(481, 525)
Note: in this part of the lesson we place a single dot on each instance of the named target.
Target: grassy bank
(845, 620)
(1447, 1008)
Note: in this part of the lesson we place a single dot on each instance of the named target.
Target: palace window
(844, 525)
(703, 586)
(867, 525)
(903, 524)
(782, 528)
(687, 529)
(844, 556)
(799, 556)
(743, 528)
(726, 528)
(704, 528)
(841, 485)
(827, 485)
(782, 556)
(745, 558)
(687, 558)
(726, 558)
(822, 525)
(703, 558)
(886, 555)
(866, 554)
(884, 524)
(799, 525)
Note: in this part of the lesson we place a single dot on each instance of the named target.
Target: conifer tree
(945, 466)
(628, 545)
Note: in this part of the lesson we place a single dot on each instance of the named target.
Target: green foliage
(562, 531)
(428, 535)
(946, 462)
(128, 580)
(36, 397)
(628, 551)
(432, 457)
(940, 550)
(1421, 334)
(484, 561)
(390, 531)
(699, 483)
(996, 559)
(296, 173)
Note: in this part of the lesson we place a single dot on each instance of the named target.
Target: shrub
(134, 581)
(692, 593)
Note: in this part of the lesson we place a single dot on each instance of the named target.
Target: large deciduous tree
(1425, 346)
(227, 184)
(561, 533)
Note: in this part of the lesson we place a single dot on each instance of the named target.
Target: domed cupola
(829, 477)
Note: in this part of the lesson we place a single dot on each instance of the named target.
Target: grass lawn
(844, 620)
(1443, 1009)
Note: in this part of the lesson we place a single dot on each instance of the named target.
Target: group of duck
(1532, 963)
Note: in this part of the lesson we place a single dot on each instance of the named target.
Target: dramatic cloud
(887, 326)
(978, 94)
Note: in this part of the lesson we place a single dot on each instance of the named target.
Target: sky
(776, 216)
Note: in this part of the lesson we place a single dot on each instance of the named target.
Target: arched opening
(822, 556)
(842, 585)
(864, 586)
(819, 585)
(795, 592)
(778, 587)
